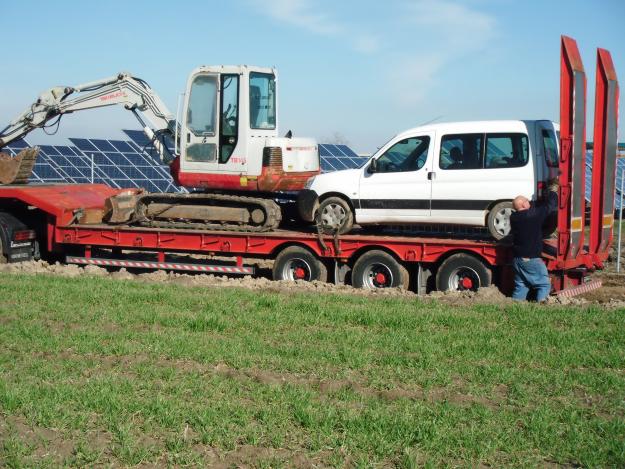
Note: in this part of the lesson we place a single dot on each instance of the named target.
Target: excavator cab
(229, 134)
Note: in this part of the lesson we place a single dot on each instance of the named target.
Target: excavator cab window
(229, 131)
(262, 101)
(202, 105)
(201, 119)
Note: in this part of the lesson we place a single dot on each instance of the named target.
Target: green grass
(99, 371)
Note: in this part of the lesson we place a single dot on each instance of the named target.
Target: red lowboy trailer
(51, 219)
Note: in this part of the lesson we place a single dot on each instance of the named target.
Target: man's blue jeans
(530, 275)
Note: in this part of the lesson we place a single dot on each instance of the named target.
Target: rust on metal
(121, 208)
(17, 169)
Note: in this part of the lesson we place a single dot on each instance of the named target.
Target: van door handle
(431, 175)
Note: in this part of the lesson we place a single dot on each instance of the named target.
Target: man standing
(530, 272)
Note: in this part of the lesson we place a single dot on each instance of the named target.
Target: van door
(477, 169)
(395, 188)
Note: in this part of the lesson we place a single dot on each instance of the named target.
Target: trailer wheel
(462, 272)
(296, 263)
(334, 215)
(378, 269)
(498, 220)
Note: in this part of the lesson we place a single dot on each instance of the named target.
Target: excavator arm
(122, 89)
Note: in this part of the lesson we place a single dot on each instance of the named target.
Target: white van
(463, 173)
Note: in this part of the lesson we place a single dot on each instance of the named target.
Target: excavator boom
(121, 89)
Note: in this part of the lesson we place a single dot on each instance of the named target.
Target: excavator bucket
(17, 169)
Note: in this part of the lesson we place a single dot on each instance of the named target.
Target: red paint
(299, 273)
(271, 179)
(380, 278)
(570, 64)
(466, 283)
(599, 240)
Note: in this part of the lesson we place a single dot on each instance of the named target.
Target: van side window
(409, 154)
(506, 150)
(461, 151)
(550, 147)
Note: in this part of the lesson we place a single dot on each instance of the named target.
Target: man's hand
(553, 185)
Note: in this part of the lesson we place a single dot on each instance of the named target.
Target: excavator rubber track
(207, 212)
(17, 169)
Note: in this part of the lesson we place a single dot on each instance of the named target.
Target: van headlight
(309, 183)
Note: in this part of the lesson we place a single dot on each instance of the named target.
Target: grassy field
(99, 371)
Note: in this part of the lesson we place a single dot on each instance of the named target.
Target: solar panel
(338, 157)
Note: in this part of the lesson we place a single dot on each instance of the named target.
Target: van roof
(473, 126)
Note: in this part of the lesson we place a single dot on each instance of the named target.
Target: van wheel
(297, 263)
(498, 220)
(334, 215)
(462, 272)
(378, 269)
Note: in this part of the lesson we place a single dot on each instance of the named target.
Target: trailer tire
(498, 220)
(462, 272)
(334, 215)
(297, 263)
(378, 269)
(3, 257)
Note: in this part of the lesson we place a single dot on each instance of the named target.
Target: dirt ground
(611, 295)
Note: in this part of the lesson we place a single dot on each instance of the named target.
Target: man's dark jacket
(527, 226)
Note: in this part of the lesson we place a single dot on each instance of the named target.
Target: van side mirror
(373, 166)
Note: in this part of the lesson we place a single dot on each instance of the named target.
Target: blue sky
(362, 69)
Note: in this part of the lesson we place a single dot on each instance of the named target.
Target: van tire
(498, 220)
(462, 272)
(298, 263)
(334, 215)
(378, 269)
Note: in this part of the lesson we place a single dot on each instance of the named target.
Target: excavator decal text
(117, 94)
(238, 160)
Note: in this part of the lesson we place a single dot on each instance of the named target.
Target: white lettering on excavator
(117, 94)
(301, 148)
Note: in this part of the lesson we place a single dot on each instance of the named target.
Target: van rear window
(550, 147)
(506, 150)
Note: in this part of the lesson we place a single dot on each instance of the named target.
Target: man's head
(520, 203)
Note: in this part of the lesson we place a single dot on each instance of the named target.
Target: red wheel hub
(466, 283)
(299, 273)
(380, 278)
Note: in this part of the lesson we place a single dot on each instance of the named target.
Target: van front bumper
(307, 204)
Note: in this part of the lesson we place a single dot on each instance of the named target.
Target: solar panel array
(135, 162)
(337, 157)
(117, 163)
(620, 174)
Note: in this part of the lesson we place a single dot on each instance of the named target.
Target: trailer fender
(16, 239)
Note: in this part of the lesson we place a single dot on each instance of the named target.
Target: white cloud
(305, 14)
(453, 22)
(445, 31)
(298, 13)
